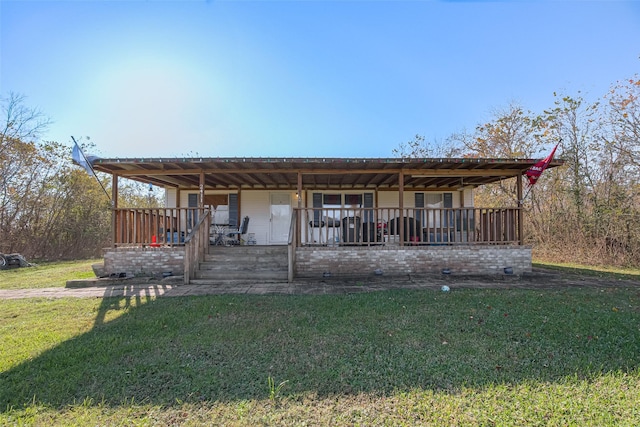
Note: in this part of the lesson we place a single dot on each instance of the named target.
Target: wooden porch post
(401, 205)
(298, 228)
(520, 201)
(201, 188)
(114, 206)
(299, 190)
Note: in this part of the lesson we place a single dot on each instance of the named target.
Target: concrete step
(244, 263)
(236, 284)
(247, 250)
(256, 276)
(244, 259)
(269, 265)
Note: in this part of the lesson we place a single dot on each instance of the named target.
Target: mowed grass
(466, 357)
(46, 275)
(604, 272)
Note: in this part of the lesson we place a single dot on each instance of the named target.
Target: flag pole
(90, 167)
(526, 194)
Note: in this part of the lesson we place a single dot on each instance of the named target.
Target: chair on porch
(412, 228)
(236, 235)
(319, 224)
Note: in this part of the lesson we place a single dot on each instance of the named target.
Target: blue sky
(301, 78)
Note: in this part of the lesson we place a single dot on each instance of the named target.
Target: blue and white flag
(79, 159)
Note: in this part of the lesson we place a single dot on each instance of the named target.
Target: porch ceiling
(317, 173)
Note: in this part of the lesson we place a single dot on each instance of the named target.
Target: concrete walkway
(129, 288)
(173, 287)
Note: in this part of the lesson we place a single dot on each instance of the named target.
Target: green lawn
(466, 357)
(610, 273)
(46, 275)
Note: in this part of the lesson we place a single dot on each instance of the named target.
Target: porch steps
(226, 264)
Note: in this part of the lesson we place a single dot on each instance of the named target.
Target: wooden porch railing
(292, 244)
(196, 245)
(153, 226)
(408, 226)
(337, 226)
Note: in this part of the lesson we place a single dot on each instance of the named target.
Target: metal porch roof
(317, 173)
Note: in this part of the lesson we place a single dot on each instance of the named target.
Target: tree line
(586, 211)
(50, 209)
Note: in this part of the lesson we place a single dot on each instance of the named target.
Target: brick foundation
(312, 262)
(144, 261)
(394, 261)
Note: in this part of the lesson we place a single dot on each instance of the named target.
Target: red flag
(534, 172)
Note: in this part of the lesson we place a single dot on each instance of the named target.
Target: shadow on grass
(224, 348)
(589, 272)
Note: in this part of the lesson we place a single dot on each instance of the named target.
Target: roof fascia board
(415, 173)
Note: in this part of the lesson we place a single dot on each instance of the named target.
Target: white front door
(280, 218)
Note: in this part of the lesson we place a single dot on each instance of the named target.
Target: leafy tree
(512, 133)
(20, 159)
(48, 209)
(586, 211)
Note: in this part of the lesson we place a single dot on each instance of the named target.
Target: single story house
(325, 216)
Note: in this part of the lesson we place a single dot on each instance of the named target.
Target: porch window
(337, 206)
(218, 204)
(223, 208)
(353, 200)
(433, 200)
(437, 201)
(352, 204)
(333, 204)
(332, 200)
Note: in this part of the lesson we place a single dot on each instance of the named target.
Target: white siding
(468, 197)
(255, 205)
(170, 197)
(184, 198)
(387, 199)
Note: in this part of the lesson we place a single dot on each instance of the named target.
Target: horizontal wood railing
(153, 226)
(409, 226)
(338, 226)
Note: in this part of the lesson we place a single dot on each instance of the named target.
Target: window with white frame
(336, 206)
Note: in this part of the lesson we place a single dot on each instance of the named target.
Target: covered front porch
(330, 242)
(334, 216)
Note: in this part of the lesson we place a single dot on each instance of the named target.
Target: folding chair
(236, 235)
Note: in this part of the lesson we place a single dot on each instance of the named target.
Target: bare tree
(418, 147)
(624, 119)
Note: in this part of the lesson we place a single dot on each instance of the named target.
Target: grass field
(466, 357)
(46, 275)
